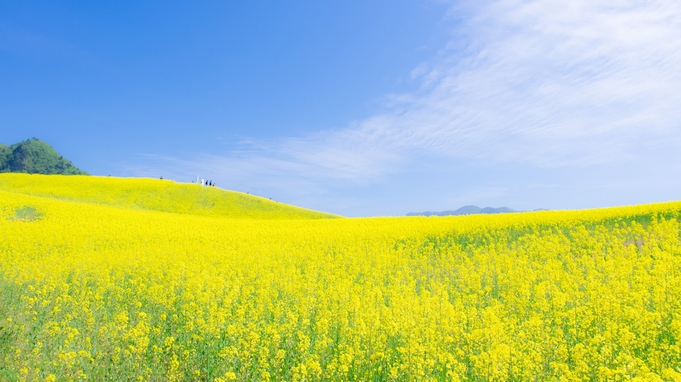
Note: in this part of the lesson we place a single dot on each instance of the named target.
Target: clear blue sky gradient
(359, 108)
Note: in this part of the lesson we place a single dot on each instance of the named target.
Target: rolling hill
(144, 279)
(154, 194)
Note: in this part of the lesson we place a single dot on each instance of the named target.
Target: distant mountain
(34, 156)
(465, 210)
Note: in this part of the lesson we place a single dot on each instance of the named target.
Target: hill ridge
(155, 194)
(465, 210)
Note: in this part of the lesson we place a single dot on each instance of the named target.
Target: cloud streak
(553, 83)
(543, 83)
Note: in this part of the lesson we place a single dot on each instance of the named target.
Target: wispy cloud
(551, 83)
(546, 83)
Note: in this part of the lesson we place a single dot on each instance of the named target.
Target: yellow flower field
(129, 279)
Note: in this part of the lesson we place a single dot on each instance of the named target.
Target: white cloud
(545, 83)
(554, 82)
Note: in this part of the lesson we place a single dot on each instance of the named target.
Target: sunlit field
(116, 279)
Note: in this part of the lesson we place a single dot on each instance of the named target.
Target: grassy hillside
(154, 194)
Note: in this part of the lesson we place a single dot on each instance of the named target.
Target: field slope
(102, 283)
(154, 194)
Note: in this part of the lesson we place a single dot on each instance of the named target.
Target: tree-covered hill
(34, 156)
(465, 210)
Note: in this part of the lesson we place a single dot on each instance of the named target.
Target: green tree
(5, 152)
(34, 156)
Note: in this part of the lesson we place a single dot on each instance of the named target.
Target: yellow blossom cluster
(138, 287)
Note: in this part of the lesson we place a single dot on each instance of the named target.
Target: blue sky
(360, 108)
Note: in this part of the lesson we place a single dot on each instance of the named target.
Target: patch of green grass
(27, 214)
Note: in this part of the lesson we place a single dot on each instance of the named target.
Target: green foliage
(34, 156)
(5, 152)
